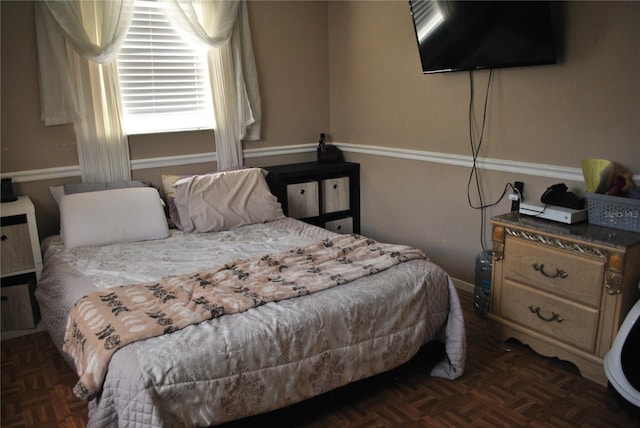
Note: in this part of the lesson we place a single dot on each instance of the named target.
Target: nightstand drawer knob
(559, 272)
(3, 238)
(554, 317)
(4, 298)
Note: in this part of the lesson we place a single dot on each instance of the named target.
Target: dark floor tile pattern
(504, 385)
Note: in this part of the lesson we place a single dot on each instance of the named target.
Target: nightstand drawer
(561, 319)
(15, 245)
(343, 225)
(574, 277)
(303, 199)
(17, 303)
(335, 194)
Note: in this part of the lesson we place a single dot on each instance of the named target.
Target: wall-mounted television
(472, 35)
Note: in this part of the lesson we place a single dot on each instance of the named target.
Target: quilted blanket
(105, 321)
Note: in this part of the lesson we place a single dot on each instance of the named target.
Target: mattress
(266, 358)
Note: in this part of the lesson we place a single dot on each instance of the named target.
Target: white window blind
(164, 81)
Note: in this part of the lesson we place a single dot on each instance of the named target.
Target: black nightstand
(326, 194)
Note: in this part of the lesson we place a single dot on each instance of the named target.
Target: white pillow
(225, 200)
(112, 216)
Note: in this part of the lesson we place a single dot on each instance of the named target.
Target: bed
(236, 365)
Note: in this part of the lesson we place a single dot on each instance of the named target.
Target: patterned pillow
(168, 180)
(70, 188)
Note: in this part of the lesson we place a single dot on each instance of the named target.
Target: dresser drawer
(15, 245)
(561, 319)
(335, 194)
(302, 199)
(571, 276)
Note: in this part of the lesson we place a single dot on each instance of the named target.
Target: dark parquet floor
(500, 388)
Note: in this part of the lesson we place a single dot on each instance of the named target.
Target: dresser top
(582, 231)
(22, 205)
(312, 167)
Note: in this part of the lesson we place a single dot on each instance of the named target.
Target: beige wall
(351, 69)
(587, 106)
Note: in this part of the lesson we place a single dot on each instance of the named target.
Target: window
(164, 81)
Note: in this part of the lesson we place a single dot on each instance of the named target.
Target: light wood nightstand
(562, 289)
(21, 265)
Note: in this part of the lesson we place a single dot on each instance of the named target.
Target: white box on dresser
(562, 289)
(341, 225)
(303, 199)
(335, 194)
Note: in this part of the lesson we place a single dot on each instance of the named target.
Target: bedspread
(262, 359)
(105, 321)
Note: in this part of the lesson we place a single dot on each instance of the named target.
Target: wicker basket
(614, 211)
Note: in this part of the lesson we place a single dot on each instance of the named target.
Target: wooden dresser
(562, 289)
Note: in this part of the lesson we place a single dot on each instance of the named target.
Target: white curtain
(94, 31)
(223, 27)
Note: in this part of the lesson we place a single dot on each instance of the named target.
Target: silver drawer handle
(559, 272)
(554, 317)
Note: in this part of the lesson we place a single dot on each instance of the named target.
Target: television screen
(470, 35)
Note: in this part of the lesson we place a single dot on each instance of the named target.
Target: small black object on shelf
(6, 194)
(328, 152)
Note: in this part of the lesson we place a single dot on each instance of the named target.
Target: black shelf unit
(280, 177)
